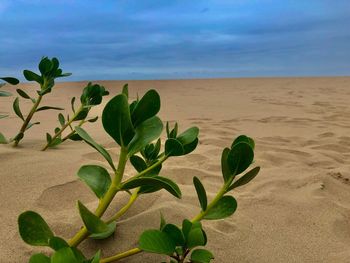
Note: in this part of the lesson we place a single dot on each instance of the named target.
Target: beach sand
(296, 210)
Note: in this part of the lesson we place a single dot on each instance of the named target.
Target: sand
(296, 210)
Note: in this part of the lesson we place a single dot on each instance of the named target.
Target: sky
(160, 39)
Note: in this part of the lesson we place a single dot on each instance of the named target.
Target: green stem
(73, 131)
(27, 120)
(125, 208)
(121, 255)
(107, 198)
(218, 196)
(63, 128)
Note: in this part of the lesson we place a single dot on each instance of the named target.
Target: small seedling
(92, 95)
(49, 69)
(3, 93)
(136, 128)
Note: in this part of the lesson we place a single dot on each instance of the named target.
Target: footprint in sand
(224, 227)
(340, 177)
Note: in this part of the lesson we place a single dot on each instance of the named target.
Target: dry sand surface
(296, 210)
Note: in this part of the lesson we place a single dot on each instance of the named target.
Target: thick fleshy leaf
(201, 256)
(75, 137)
(96, 258)
(3, 139)
(195, 238)
(86, 137)
(175, 234)
(17, 109)
(23, 94)
(64, 255)
(10, 80)
(56, 243)
(246, 178)
(39, 258)
(225, 207)
(61, 119)
(138, 163)
(49, 108)
(125, 90)
(93, 223)
(157, 182)
(146, 108)
(188, 136)
(244, 138)
(117, 121)
(96, 177)
(225, 168)
(82, 114)
(72, 104)
(31, 76)
(45, 65)
(33, 229)
(186, 227)
(93, 119)
(156, 241)
(173, 148)
(188, 148)
(5, 93)
(201, 193)
(146, 132)
(108, 233)
(240, 157)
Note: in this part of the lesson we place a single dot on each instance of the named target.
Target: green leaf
(64, 255)
(225, 168)
(23, 94)
(39, 258)
(116, 120)
(125, 90)
(173, 148)
(75, 137)
(190, 147)
(56, 243)
(188, 136)
(3, 139)
(31, 76)
(108, 233)
(96, 258)
(146, 108)
(225, 207)
(86, 137)
(244, 138)
(162, 221)
(3, 116)
(201, 256)
(157, 182)
(17, 109)
(175, 234)
(240, 157)
(45, 65)
(96, 177)
(10, 80)
(5, 93)
(33, 229)
(245, 178)
(186, 227)
(156, 241)
(93, 119)
(201, 193)
(48, 108)
(61, 119)
(146, 132)
(195, 238)
(138, 163)
(72, 104)
(93, 223)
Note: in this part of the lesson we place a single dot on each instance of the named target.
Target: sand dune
(296, 210)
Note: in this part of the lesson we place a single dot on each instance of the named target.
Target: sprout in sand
(91, 96)
(136, 128)
(49, 69)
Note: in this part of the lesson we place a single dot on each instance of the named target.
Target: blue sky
(160, 39)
